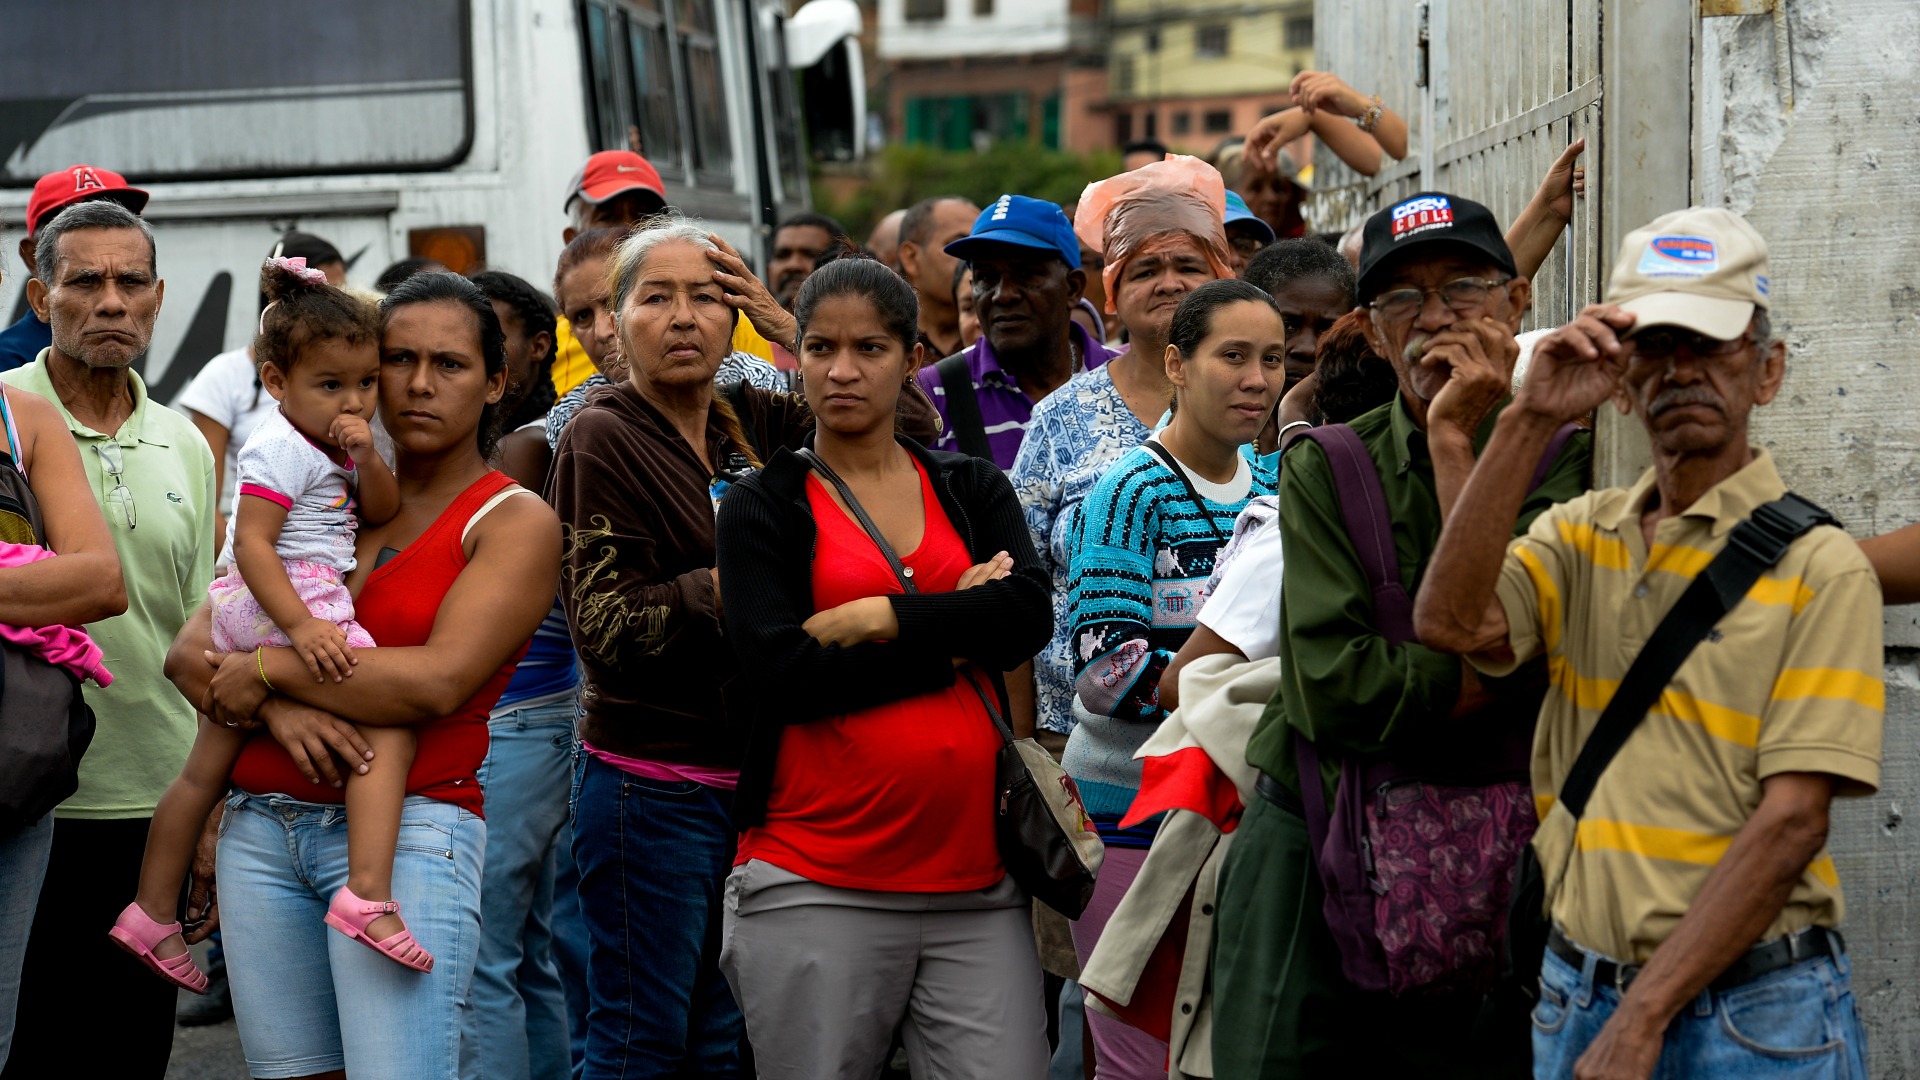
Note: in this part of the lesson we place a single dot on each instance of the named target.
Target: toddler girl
(303, 474)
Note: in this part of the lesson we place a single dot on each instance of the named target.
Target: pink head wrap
(1119, 215)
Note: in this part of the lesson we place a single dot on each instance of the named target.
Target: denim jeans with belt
(308, 998)
(23, 865)
(1796, 1022)
(516, 1027)
(654, 856)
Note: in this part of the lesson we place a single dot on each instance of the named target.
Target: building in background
(963, 74)
(1193, 72)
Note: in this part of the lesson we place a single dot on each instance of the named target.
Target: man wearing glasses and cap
(98, 289)
(1694, 907)
(1444, 302)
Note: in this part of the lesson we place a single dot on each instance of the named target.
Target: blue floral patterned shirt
(1075, 433)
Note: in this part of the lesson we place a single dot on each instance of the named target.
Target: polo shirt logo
(174, 498)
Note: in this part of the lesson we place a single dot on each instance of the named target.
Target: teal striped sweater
(1141, 553)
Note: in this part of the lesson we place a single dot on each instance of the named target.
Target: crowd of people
(419, 690)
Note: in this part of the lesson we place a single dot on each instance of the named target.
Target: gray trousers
(825, 975)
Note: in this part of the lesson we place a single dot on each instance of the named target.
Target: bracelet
(1289, 426)
(1370, 119)
(260, 658)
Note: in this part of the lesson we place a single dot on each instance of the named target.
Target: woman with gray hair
(636, 478)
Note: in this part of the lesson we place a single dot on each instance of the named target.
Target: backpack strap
(1363, 508)
(1753, 547)
(963, 406)
(1552, 454)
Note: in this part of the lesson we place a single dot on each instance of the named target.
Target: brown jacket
(637, 579)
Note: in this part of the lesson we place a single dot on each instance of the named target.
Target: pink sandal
(139, 935)
(350, 914)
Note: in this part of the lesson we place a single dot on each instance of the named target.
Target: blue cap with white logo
(1021, 222)
(1237, 213)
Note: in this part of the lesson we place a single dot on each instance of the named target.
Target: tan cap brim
(1713, 316)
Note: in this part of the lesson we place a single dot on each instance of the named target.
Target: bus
(447, 129)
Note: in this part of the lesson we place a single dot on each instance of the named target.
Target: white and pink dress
(281, 465)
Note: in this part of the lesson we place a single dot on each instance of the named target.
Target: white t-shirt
(1230, 492)
(228, 392)
(1243, 601)
(281, 465)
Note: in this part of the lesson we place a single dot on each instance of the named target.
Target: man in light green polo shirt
(98, 288)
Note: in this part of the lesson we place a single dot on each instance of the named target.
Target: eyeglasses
(1661, 342)
(115, 466)
(1463, 295)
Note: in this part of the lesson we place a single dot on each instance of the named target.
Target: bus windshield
(209, 89)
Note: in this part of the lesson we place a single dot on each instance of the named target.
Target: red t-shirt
(397, 606)
(897, 797)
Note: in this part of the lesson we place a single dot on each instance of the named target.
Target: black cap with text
(1431, 217)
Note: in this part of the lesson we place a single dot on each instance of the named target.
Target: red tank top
(897, 797)
(397, 606)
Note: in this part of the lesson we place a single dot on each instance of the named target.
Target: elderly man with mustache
(1444, 302)
(1694, 906)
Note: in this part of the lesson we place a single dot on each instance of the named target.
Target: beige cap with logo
(1702, 268)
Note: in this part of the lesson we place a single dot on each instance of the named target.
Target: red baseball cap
(79, 183)
(611, 172)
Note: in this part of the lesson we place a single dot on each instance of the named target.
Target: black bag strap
(900, 570)
(1754, 546)
(963, 406)
(1173, 465)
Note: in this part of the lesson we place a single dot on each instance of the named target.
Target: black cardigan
(787, 677)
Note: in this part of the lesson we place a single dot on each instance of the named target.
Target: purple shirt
(1004, 407)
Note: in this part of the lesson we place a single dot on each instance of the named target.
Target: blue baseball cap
(1021, 222)
(1237, 212)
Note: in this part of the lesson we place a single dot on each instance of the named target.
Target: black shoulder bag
(1753, 547)
(1045, 839)
(963, 406)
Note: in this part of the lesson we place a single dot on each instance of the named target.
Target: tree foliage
(900, 176)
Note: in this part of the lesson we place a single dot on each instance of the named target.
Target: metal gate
(1493, 91)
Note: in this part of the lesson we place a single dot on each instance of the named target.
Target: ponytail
(730, 424)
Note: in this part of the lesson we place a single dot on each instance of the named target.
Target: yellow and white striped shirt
(1789, 681)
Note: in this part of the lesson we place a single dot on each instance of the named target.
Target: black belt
(1276, 793)
(1814, 941)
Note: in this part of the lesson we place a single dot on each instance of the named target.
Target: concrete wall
(1831, 177)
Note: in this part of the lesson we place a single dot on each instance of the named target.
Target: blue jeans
(308, 998)
(570, 945)
(1796, 1022)
(517, 1024)
(23, 864)
(654, 856)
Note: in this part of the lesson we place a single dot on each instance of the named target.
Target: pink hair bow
(298, 265)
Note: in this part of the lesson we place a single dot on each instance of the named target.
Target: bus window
(603, 73)
(786, 114)
(653, 83)
(706, 90)
(206, 89)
